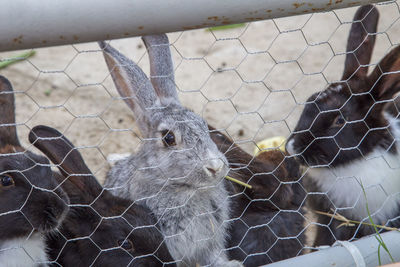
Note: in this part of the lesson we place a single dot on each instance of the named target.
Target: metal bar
(340, 256)
(40, 23)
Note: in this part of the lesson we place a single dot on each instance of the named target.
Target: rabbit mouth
(317, 159)
(214, 173)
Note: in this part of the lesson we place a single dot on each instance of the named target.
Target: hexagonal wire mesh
(250, 83)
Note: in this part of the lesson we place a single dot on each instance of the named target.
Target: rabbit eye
(125, 244)
(168, 138)
(339, 121)
(6, 180)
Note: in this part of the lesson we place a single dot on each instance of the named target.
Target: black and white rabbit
(347, 137)
(178, 171)
(32, 203)
(268, 223)
(100, 229)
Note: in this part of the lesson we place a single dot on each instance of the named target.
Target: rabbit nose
(211, 170)
(213, 167)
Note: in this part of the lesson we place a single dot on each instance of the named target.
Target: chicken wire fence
(251, 84)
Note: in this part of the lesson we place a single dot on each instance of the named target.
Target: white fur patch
(22, 252)
(290, 148)
(331, 89)
(114, 157)
(379, 174)
(336, 88)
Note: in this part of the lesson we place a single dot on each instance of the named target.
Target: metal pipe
(40, 23)
(340, 256)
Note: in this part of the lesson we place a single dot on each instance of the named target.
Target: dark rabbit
(178, 171)
(268, 223)
(100, 229)
(32, 204)
(347, 136)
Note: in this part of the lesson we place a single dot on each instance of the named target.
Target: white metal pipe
(40, 23)
(340, 256)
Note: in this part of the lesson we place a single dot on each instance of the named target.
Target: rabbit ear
(361, 42)
(8, 130)
(161, 67)
(67, 158)
(386, 76)
(131, 83)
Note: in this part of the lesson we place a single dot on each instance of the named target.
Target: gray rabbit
(178, 171)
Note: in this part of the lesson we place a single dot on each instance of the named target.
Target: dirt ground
(250, 81)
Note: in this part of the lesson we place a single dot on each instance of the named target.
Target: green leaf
(226, 27)
(13, 60)
(378, 237)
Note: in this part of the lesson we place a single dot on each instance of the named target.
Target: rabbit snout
(290, 147)
(215, 164)
(298, 142)
(214, 167)
(45, 210)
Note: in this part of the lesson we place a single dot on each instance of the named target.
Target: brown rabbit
(33, 204)
(347, 136)
(268, 224)
(100, 229)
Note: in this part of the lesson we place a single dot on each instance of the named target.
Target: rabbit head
(32, 199)
(348, 120)
(176, 140)
(105, 230)
(265, 173)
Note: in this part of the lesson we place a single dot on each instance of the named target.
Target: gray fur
(190, 201)
(161, 67)
(132, 84)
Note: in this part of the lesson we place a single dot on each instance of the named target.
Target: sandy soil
(250, 81)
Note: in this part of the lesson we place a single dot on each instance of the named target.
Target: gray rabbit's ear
(161, 67)
(8, 130)
(132, 84)
(361, 42)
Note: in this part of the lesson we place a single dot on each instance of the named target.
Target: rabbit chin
(379, 175)
(22, 251)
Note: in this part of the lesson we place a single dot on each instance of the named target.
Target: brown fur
(108, 220)
(269, 201)
(9, 149)
(28, 212)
